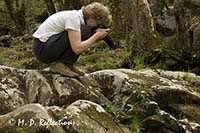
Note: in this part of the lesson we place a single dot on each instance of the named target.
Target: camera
(107, 39)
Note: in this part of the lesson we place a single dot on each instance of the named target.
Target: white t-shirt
(58, 22)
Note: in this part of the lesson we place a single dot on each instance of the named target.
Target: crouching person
(63, 36)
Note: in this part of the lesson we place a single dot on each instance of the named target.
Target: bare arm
(79, 46)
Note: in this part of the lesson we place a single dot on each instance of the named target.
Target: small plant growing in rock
(135, 124)
(187, 77)
(138, 63)
(114, 111)
(196, 88)
(180, 116)
(145, 95)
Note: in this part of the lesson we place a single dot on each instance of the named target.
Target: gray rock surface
(102, 101)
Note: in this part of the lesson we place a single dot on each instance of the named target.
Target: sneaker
(76, 70)
(63, 69)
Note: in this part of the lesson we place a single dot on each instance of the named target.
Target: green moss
(196, 88)
(180, 116)
(101, 57)
(187, 77)
(135, 124)
(182, 111)
(192, 112)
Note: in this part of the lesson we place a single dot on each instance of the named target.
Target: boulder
(166, 24)
(162, 122)
(102, 101)
(89, 117)
(19, 87)
(29, 118)
(81, 116)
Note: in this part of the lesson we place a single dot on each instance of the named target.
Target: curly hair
(99, 12)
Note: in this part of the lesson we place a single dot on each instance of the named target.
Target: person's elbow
(77, 49)
(75, 41)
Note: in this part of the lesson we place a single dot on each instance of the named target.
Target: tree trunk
(76, 4)
(145, 38)
(17, 13)
(50, 7)
(144, 24)
(60, 5)
(123, 15)
(184, 32)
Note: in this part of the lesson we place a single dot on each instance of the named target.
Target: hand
(101, 33)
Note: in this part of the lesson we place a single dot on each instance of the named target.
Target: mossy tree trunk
(144, 24)
(185, 37)
(123, 15)
(17, 12)
(145, 37)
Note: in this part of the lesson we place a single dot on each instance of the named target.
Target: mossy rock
(191, 112)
